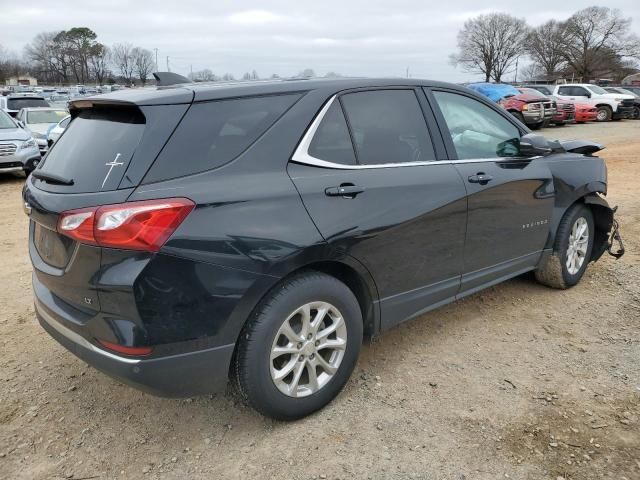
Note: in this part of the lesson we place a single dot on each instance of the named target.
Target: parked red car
(585, 113)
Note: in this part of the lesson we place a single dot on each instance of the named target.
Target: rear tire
(287, 335)
(636, 113)
(572, 250)
(604, 113)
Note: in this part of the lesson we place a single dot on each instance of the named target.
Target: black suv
(189, 233)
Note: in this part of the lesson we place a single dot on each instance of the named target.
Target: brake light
(144, 225)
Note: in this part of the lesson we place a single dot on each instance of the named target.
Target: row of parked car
(542, 105)
(29, 125)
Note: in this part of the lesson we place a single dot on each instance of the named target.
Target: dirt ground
(519, 381)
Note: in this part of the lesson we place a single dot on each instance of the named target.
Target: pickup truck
(610, 106)
(335, 210)
(530, 107)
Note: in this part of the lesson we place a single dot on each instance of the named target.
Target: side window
(332, 141)
(477, 131)
(565, 91)
(388, 127)
(580, 91)
(215, 132)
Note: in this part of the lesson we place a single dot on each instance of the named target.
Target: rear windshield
(214, 133)
(96, 148)
(46, 116)
(18, 103)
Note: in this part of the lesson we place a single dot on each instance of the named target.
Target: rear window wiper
(52, 178)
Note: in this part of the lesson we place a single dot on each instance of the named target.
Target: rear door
(369, 175)
(510, 198)
(574, 94)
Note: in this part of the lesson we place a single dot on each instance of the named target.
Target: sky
(350, 37)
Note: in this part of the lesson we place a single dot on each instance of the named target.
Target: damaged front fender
(607, 234)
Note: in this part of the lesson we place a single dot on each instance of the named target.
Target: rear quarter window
(214, 133)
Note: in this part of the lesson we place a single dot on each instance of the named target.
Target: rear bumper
(180, 375)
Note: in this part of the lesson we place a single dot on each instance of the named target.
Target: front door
(377, 193)
(510, 199)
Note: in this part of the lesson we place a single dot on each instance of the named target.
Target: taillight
(144, 225)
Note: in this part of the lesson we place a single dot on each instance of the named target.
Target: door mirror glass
(533, 145)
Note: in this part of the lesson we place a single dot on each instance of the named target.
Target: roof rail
(165, 79)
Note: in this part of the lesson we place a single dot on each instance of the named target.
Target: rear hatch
(101, 157)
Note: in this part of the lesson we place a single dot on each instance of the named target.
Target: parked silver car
(13, 103)
(18, 149)
(38, 120)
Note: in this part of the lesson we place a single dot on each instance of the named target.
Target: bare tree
(122, 57)
(490, 44)
(595, 33)
(99, 62)
(546, 47)
(144, 63)
(205, 75)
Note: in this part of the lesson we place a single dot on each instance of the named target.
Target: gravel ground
(519, 381)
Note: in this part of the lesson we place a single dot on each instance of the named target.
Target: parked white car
(610, 106)
(54, 132)
(38, 120)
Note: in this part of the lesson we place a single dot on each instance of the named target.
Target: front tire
(572, 250)
(604, 113)
(299, 348)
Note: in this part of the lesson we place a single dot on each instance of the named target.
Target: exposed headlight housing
(28, 143)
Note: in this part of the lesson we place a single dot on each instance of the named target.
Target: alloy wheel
(308, 349)
(578, 244)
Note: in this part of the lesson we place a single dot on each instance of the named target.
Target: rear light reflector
(144, 225)
(134, 351)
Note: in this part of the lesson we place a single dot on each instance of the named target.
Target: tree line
(76, 56)
(593, 43)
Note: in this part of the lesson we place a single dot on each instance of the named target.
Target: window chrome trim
(301, 154)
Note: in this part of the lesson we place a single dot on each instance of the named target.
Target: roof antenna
(164, 79)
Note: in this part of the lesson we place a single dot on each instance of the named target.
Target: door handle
(480, 178)
(347, 190)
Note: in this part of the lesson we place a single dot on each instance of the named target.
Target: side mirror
(588, 95)
(533, 145)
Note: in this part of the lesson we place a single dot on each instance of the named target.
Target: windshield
(45, 116)
(17, 103)
(597, 89)
(5, 120)
(531, 91)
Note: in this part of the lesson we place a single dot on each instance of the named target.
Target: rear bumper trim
(79, 340)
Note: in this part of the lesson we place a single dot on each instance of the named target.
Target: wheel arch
(602, 218)
(347, 269)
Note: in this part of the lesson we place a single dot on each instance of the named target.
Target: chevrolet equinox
(191, 233)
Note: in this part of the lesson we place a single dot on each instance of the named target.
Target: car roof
(33, 109)
(187, 93)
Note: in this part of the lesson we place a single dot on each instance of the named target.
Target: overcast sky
(352, 37)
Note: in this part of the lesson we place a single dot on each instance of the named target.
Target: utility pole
(156, 50)
(515, 77)
(407, 71)
(191, 69)
(168, 69)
